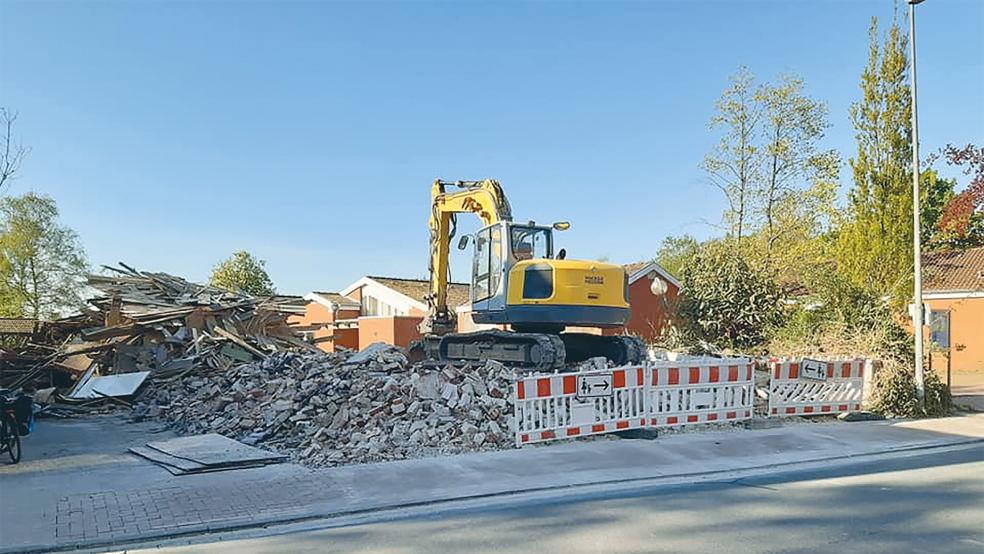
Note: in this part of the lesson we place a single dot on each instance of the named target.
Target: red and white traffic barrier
(805, 386)
(685, 393)
(577, 404)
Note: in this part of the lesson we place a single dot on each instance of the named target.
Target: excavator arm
(482, 198)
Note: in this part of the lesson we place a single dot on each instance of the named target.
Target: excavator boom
(482, 198)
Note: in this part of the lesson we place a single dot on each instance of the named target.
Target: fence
(804, 386)
(656, 394)
(583, 403)
(685, 393)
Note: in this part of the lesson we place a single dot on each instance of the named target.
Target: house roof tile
(636, 266)
(337, 298)
(633, 269)
(954, 270)
(18, 326)
(419, 288)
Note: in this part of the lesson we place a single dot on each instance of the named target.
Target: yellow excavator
(519, 281)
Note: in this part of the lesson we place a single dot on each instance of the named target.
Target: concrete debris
(598, 362)
(343, 408)
(860, 416)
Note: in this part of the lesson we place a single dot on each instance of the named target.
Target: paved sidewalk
(90, 500)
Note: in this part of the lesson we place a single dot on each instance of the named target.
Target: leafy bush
(725, 302)
(895, 393)
(840, 318)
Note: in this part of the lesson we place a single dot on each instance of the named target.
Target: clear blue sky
(172, 134)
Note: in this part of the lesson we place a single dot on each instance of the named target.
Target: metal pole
(917, 312)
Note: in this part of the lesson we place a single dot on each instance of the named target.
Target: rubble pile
(156, 322)
(344, 408)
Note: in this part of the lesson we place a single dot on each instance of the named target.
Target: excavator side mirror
(562, 255)
(463, 242)
(562, 225)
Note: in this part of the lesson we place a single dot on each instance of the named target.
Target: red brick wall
(405, 330)
(649, 312)
(348, 314)
(348, 338)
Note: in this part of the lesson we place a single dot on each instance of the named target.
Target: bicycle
(9, 429)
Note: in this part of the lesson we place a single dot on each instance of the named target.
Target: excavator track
(619, 349)
(535, 351)
(540, 351)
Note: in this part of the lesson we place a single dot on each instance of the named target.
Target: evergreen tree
(875, 243)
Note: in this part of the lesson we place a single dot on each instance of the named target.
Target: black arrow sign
(587, 388)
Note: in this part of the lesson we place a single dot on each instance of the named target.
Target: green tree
(792, 126)
(799, 243)
(779, 183)
(42, 262)
(242, 272)
(734, 165)
(874, 244)
(726, 302)
(675, 253)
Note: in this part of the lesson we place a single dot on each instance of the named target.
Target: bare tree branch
(12, 152)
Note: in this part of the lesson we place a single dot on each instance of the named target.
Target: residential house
(330, 320)
(650, 312)
(953, 291)
(372, 309)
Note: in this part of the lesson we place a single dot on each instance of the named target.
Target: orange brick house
(329, 320)
(372, 309)
(953, 291)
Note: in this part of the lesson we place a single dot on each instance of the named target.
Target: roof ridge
(411, 280)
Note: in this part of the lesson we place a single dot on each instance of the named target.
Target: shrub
(725, 302)
(841, 318)
(895, 393)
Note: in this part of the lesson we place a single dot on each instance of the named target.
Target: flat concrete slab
(213, 451)
(50, 505)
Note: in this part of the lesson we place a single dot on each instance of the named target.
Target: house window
(372, 306)
(939, 328)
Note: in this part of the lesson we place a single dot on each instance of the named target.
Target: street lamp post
(917, 312)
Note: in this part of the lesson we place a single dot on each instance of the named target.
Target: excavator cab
(498, 248)
(517, 281)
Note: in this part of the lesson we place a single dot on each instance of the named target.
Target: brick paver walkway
(115, 516)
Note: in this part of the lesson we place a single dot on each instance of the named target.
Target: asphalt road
(932, 502)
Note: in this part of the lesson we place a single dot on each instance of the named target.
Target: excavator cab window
(531, 242)
(487, 263)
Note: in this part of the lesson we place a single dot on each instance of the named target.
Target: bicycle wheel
(13, 438)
